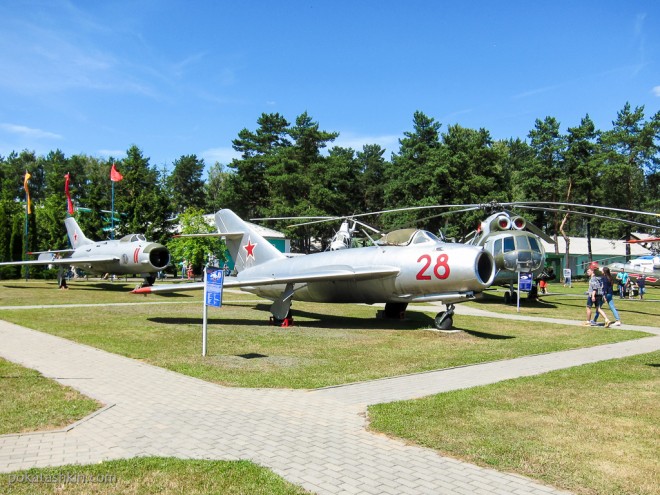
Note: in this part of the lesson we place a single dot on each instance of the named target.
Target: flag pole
(25, 250)
(27, 223)
(112, 212)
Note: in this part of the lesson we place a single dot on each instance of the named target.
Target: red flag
(115, 176)
(69, 203)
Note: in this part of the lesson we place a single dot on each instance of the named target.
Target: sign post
(213, 282)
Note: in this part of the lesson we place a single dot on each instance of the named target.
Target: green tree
(413, 169)
(630, 150)
(539, 178)
(215, 188)
(10, 212)
(197, 251)
(372, 168)
(137, 195)
(247, 191)
(470, 171)
(186, 185)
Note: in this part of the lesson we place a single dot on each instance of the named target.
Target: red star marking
(75, 237)
(249, 247)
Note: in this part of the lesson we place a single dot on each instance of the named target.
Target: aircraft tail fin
(76, 236)
(247, 247)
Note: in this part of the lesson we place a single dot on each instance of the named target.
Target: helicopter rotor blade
(592, 215)
(576, 205)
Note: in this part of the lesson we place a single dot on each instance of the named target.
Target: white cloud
(112, 153)
(29, 132)
(656, 91)
(222, 155)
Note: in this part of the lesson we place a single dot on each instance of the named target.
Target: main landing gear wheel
(509, 297)
(286, 322)
(395, 311)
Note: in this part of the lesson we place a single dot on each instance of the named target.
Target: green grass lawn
(151, 475)
(570, 303)
(31, 402)
(330, 343)
(592, 429)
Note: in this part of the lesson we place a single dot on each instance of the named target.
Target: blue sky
(184, 77)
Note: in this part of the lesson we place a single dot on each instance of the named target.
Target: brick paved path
(316, 439)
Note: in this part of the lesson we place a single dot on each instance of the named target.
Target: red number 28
(440, 270)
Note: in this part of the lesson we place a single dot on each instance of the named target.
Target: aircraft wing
(64, 261)
(61, 251)
(318, 276)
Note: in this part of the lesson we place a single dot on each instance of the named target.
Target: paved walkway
(316, 439)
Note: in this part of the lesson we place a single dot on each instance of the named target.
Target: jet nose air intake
(159, 256)
(485, 268)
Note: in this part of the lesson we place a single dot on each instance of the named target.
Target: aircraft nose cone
(159, 255)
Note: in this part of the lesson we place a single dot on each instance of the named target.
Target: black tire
(443, 324)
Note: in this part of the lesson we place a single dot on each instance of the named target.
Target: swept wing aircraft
(128, 255)
(406, 266)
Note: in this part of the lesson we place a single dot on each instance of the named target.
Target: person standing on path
(595, 298)
(608, 294)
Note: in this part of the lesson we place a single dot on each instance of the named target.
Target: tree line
(292, 169)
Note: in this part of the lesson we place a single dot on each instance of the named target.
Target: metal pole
(26, 245)
(518, 304)
(112, 213)
(205, 316)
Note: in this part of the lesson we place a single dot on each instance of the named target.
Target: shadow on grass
(101, 286)
(487, 299)
(489, 336)
(413, 321)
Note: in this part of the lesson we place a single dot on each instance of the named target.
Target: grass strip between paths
(592, 429)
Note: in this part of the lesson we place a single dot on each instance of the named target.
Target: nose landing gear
(444, 320)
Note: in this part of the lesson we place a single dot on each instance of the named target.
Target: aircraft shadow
(488, 336)
(413, 321)
(101, 286)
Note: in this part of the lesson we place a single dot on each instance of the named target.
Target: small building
(604, 252)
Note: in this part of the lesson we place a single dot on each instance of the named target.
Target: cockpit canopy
(133, 238)
(505, 244)
(405, 237)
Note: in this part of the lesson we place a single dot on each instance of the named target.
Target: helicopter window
(498, 246)
(535, 245)
(522, 242)
(509, 244)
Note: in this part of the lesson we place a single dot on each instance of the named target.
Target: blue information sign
(215, 278)
(526, 281)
